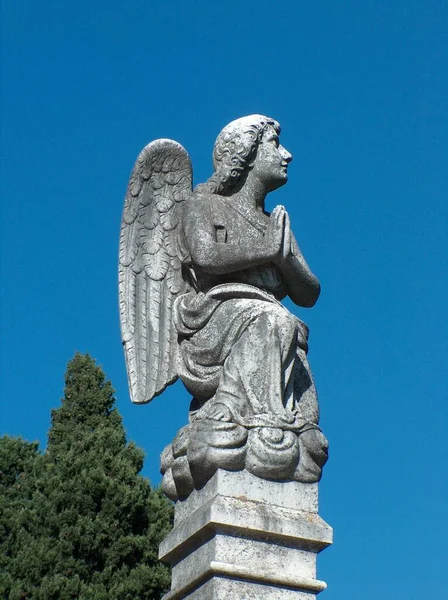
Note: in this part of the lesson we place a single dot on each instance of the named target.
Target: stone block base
(244, 538)
(220, 588)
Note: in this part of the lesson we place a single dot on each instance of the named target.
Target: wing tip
(137, 397)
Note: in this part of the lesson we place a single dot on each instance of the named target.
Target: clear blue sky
(361, 91)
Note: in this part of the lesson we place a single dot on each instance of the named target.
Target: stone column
(245, 538)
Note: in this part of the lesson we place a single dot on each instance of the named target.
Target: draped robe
(238, 345)
(242, 355)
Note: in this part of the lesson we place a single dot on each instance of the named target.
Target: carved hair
(235, 149)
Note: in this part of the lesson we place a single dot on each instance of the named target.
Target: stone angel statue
(201, 277)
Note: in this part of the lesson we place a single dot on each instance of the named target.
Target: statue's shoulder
(205, 208)
(200, 203)
(202, 194)
(210, 202)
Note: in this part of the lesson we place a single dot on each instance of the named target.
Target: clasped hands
(278, 236)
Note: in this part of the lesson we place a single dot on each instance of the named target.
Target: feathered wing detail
(150, 270)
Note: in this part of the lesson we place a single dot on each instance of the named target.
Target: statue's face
(271, 162)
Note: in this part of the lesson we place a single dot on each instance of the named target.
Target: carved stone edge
(261, 575)
(248, 519)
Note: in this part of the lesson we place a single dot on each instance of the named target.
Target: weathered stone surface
(201, 277)
(259, 541)
(223, 588)
(245, 486)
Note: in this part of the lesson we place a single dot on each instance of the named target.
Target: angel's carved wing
(150, 270)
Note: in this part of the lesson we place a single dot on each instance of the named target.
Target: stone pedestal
(245, 538)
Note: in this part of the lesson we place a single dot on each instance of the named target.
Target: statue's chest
(233, 227)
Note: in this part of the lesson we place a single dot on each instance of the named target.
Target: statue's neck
(251, 196)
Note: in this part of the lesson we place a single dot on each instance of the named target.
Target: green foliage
(16, 464)
(79, 522)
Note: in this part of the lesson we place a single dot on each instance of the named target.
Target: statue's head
(236, 150)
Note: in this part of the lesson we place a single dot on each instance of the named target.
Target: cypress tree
(94, 525)
(17, 459)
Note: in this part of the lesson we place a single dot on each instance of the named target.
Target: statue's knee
(278, 321)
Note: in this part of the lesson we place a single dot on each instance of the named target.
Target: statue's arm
(219, 258)
(302, 286)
